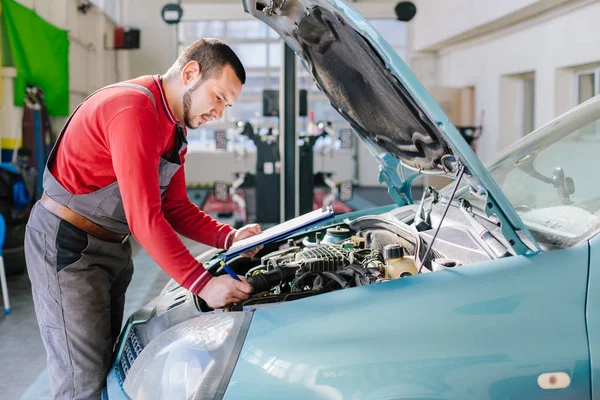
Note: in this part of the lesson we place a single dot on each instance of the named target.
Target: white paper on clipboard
(280, 230)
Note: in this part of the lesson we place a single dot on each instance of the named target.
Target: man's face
(206, 100)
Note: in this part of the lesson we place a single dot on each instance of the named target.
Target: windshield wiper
(495, 246)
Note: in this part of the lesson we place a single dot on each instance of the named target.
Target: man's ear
(190, 73)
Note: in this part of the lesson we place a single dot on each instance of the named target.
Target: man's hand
(246, 232)
(223, 290)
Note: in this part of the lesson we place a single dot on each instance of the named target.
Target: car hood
(375, 91)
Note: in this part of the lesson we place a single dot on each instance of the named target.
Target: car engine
(343, 258)
(365, 250)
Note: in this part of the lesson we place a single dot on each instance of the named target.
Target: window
(252, 55)
(196, 30)
(244, 29)
(110, 8)
(528, 104)
(257, 81)
(260, 50)
(586, 85)
(517, 107)
(229, 30)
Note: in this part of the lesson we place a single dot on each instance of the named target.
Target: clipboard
(279, 231)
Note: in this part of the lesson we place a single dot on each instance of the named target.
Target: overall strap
(121, 84)
(130, 85)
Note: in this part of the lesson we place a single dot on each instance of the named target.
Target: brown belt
(81, 222)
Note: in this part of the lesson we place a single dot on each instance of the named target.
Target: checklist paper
(279, 231)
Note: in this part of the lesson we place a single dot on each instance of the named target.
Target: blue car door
(593, 315)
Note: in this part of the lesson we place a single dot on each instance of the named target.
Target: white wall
(158, 40)
(438, 22)
(551, 46)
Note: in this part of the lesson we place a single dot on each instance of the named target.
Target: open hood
(373, 89)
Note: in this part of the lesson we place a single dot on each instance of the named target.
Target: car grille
(131, 351)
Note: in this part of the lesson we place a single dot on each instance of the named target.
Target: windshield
(552, 180)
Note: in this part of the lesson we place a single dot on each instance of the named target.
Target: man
(116, 169)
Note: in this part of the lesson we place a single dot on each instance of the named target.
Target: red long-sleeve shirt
(117, 135)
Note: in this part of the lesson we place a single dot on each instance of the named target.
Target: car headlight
(192, 360)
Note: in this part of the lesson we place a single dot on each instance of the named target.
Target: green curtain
(40, 53)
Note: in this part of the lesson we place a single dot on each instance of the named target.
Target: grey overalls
(79, 281)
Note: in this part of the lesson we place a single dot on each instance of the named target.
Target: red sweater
(117, 135)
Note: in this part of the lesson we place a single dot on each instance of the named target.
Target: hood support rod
(461, 171)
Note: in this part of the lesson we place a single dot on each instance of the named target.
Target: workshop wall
(439, 23)
(549, 47)
(158, 40)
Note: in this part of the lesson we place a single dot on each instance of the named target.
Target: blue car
(487, 289)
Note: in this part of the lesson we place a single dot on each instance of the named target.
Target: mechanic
(117, 170)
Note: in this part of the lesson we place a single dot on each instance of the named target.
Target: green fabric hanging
(41, 55)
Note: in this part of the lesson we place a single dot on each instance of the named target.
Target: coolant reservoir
(397, 264)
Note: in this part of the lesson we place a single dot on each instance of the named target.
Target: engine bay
(362, 251)
(339, 260)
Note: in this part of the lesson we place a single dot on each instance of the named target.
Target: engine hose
(361, 280)
(318, 284)
(358, 269)
(347, 274)
(277, 276)
(356, 274)
(336, 278)
(298, 283)
(308, 243)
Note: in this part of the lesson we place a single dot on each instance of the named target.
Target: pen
(229, 271)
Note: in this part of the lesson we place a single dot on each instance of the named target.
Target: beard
(187, 105)
(187, 114)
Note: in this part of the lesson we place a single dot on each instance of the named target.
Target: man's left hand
(246, 232)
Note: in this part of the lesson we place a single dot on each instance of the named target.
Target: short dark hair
(212, 55)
